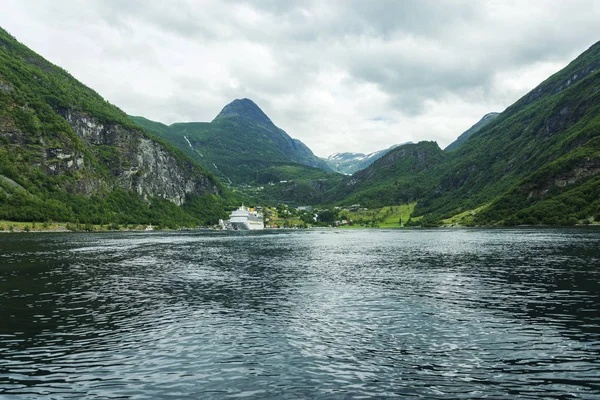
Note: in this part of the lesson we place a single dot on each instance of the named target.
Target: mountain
(238, 144)
(68, 155)
(547, 140)
(396, 177)
(538, 162)
(349, 163)
(487, 118)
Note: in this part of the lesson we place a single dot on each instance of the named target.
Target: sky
(340, 75)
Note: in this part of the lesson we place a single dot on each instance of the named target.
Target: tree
(327, 216)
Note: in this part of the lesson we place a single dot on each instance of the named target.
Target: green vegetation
(116, 207)
(384, 217)
(49, 173)
(401, 176)
(472, 130)
(465, 218)
(579, 204)
(294, 184)
(247, 152)
(539, 139)
(291, 172)
(240, 146)
(536, 163)
(284, 216)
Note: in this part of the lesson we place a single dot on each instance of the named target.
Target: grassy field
(291, 222)
(12, 226)
(463, 219)
(385, 217)
(392, 216)
(15, 226)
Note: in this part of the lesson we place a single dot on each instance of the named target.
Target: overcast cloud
(338, 75)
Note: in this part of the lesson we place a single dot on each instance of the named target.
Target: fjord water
(507, 313)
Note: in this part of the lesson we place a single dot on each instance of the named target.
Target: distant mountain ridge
(349, 163)
(483, 122)
(239, 143)
(394, 178)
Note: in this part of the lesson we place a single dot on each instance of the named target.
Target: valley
(299, 200)
(67, 155)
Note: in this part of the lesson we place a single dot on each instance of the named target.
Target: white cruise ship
(245, 219)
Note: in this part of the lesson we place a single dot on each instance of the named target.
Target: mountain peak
(245, 109)
(348, 163)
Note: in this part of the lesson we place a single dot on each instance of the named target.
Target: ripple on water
(431, 313)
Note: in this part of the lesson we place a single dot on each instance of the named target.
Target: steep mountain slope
(535, 156)
(238, 144)
(551, 132)
(349, 163)
(487, 118)
(397, 177)
(66, 154)
(537, 162)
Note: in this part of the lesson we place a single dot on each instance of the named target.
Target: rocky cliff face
(136, 163)
(540, 185)
(66, 154)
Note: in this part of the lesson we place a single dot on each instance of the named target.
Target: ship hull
(247, 226)
(244, 219)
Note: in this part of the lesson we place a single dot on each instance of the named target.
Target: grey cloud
(413, 77)
(330, 61)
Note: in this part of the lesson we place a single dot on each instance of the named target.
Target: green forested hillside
(483, 122)
(398, 177)
(535, 163)
(66, 154)
(295, 184)
(244, 149)
(238, 145)
(547, 139)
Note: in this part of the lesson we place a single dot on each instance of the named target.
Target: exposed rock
(589, 168)
(570, 177)
(58, 160)
(138, 163)
(6, 87)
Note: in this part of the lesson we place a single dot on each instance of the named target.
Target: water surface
(507, 313)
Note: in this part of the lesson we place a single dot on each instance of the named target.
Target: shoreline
(62, 228)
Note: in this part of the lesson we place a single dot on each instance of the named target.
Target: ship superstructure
(246, 219)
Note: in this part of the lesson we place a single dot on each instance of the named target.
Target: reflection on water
(326, 314)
